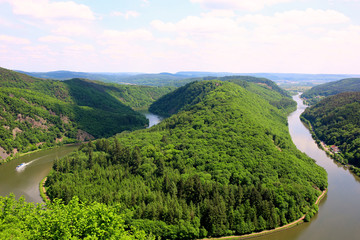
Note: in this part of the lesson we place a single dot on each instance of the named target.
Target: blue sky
(242, 36)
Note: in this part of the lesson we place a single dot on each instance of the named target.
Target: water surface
(339, 213)
(153, 118)
(25, 180)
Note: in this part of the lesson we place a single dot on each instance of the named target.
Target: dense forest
(95, 92)
(315, 94)
(37, 113)
(76, 220)
(193, 93)
(224, 164)
(336, 121)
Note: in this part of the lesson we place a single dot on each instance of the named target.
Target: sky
(240, 36)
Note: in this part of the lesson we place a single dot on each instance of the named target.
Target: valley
(221, 163)
(39, 114)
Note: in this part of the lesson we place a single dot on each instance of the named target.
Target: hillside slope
(38, 113)
(332, 88)
(224, 165)
(336, 121)
(193, 93)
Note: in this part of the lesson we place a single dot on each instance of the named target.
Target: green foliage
(336, 121)
(182, 98)
(317, 93)
(37, 113)
(76, 220)
(223, 165)
(107, 96)
(193, 93)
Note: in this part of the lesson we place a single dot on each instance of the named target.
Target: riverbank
(42, 190)
(21, 154)
(334, 156)
(282, 228)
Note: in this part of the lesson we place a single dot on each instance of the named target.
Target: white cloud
(126, 15)
(295, 41)
(200, 26)
(14, 40)
(71, 28)
(58, 17)
(311, 17)
(79, 48)
(243, 5)
(118, 37)
(5, 22)
(125, 44)
(55, 39)
(178, 42)
(308, 17)
(50, 10)
(219, 13)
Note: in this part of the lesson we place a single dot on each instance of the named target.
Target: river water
(153, 118)
(339, 213)
(25, 180)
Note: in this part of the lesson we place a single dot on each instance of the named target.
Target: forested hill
(37, 113)
(225, 165)
(193, 93)
(336, 121)
(332, 88)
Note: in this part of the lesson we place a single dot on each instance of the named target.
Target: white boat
(18, 167)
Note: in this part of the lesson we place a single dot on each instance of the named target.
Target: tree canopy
(317, 93)
(336, 121)
(223, 164)
(36, 113)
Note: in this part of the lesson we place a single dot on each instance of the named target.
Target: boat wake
(21, 167)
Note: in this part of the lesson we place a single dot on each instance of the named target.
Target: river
(339, 212)
(25, 181)
(153, 118)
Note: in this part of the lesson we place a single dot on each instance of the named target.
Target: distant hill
(37, 113)
(223, 165)
(193, 93)
(169, 79)
(134, 96)
(332, 88)
(336, 121)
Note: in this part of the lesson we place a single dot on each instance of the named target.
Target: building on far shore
(334, 149)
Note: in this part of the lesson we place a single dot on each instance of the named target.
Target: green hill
(336, 121)
(332, 88)
(193, 93)
(38, 113)
(223, 165)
